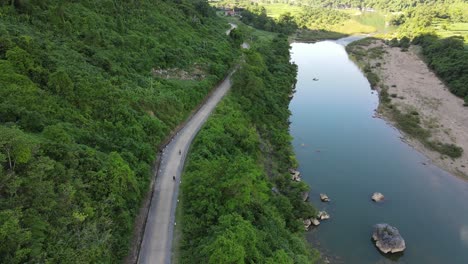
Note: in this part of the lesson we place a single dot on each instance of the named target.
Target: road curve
(156, 246)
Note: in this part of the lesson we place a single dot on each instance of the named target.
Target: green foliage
(83, 107)
(15, 239)
(257, 17)
(60, 83)
(321, 18)
(449, 59)
(15, 146)
(450, 150)
(373, 78)
(230, 213)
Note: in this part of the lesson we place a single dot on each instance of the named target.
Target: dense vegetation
(239, 204)
(319, 18)
(449, 59)
(81, 114)
(257, 17)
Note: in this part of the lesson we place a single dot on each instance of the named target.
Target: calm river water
(346, 153)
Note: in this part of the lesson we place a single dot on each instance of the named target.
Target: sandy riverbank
(413, 87)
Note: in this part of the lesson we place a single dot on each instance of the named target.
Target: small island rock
(388, 239)
(324, 197)
(377, 197)
(322, 215)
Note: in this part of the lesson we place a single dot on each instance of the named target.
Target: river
(348, 154)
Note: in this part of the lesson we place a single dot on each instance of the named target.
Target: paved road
(156, 247)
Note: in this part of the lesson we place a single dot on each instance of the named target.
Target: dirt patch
(195, 73)
(414, 88)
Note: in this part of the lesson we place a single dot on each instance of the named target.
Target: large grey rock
(307, 223)
(377, 197)
(324, 197)
(388, 239)
(305, 196)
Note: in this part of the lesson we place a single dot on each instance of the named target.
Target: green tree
(16, 146)
(15, 239)
(60, 83)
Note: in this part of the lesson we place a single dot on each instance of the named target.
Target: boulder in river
(322, 215)
(377, 197)
(388, 239)
(305, 196)
(324, 197)
(315, 222)
(307, 223)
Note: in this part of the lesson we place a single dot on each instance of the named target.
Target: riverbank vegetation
(239, 204)
(89, 90)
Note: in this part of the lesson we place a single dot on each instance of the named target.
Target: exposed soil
(414, 87)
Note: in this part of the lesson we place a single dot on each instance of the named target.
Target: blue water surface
(348, 154)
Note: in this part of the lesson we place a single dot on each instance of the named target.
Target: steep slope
(238, 202)
(89, 89)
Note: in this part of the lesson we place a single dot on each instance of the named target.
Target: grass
(351, 27)
(276, 10)
(306, 35)
(445, 29)
(375, 20)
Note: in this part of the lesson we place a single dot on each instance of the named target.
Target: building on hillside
(230, 12)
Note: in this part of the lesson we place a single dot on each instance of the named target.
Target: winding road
(156, 246)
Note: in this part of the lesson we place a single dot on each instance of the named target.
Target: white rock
(315, 222)
(324, 197)
(377, 197)
(322, 215)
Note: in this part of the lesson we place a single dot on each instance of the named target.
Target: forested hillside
(89, 89)
(239, 204)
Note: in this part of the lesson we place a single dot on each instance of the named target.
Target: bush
(450, 150)
(373, 79)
